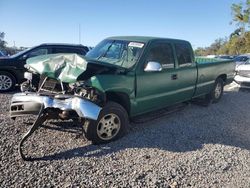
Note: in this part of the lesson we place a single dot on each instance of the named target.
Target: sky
(32, 22)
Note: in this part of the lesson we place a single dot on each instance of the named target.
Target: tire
(215, 95)
(111, 124)
(7, 81)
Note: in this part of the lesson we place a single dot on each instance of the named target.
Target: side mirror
(24, 57)
(153, 66)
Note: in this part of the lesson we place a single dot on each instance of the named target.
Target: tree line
(239, 41)
(3, 46)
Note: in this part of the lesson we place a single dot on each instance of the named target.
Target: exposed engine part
(89, 93)
(64, 115)
(53, 87)
(27, 86)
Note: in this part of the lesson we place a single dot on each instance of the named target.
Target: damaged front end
(58, 96)
(50, 107)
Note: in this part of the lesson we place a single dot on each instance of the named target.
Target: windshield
(21, 52)
(1, 54)
(116, 52)
(248, 61)
(241, 58)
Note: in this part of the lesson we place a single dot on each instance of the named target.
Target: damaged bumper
(32, 103)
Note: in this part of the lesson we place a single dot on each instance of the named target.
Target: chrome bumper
(31, 103)
(240, 79)
(244, 82)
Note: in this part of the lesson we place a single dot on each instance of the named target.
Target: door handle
(174, 76)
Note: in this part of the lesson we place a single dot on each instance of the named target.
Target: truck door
(156, 89)
(186, 71)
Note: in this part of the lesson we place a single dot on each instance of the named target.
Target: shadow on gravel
(224, 123)
(64, 127)
(16, 90)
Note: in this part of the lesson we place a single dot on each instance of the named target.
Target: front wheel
(111, 124)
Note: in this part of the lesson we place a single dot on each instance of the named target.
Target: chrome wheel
(218, 90)
(108, 127)
(5, 82)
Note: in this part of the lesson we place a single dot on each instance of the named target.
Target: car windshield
(248, 62)
(21, 52)
(117, 52)
(241, 58)
(1, 54)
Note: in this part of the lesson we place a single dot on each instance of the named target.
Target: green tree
(217, 45)
(241, 14)
(239, 40)
(2, 41)
(200, 51)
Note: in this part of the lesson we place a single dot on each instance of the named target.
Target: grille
(245, 73)
(49, 85)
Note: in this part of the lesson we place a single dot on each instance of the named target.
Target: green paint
(149, 91)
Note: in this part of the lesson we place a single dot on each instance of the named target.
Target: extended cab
(123, 77)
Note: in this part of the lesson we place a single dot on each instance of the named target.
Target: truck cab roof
(144, 39)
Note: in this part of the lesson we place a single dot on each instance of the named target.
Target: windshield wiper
(105, 53)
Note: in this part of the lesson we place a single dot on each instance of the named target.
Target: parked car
(122, 77)
(225, 56)
(241, 59)
(242, 76)
(12, 68)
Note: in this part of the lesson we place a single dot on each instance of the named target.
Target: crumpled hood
(67, 68)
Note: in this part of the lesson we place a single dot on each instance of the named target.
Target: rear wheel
(111, 124)
(7, 81)
(217, 91)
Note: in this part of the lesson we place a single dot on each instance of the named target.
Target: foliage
(241, 14)
(232, 46)
(2, 42)
(3, 45)
(216, 48)
(239, 40)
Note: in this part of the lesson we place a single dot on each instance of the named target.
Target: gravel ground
(195, 147)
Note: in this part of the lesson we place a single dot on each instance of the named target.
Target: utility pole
(79, 33)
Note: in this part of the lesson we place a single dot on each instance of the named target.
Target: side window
(37, 52)
(69, 50)
(163, 54)
(183, 54)
(244, 58)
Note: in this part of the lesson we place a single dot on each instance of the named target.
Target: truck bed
(208, 69)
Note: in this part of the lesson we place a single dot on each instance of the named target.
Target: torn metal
(30, 103)
(49, 107)
(59, 96)
(64, 67)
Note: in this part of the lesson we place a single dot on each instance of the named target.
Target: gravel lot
(195, 147)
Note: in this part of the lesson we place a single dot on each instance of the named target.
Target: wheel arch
(223, 77)
(120, 98)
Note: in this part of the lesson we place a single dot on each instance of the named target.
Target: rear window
(183, 54)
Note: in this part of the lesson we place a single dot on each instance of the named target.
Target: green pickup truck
(122, 77)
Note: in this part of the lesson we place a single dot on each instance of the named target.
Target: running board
(158, 113)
